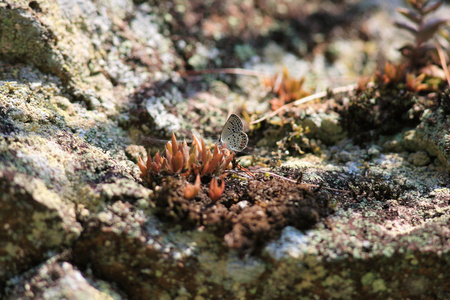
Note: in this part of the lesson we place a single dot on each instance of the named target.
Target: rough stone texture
(34, 221)
(435, 130)
(82, 80)
(54, 280)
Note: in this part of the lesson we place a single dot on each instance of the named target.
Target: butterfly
(232, 135)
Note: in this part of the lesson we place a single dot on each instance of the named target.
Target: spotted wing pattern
(237, 141)
(232, 135)
(233, 124)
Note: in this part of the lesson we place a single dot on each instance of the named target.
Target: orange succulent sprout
(216, 190)
(179, 158)
(286, 88)
(191, 190)
(196, 160)
(391, 74)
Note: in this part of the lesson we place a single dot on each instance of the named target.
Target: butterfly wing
(232, 125)
(236, 141)
(232, 135)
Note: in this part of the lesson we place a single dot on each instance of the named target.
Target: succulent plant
(286, 88)
(422, 28)
(191, 190)
(391, 74)
(422, 54)
(216, 190)
(421, 70)
(197, 160)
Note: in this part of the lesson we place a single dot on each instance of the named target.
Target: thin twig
(240, 71)
(443, 62)
(342, 89)
(239, 172)
(236, 71)
(276, 175)
(295, 181)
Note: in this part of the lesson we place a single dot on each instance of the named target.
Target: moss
(368, 279)
(378, 285)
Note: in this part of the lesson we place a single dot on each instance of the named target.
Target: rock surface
(83, 83)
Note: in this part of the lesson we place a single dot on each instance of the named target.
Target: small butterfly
(232, 135)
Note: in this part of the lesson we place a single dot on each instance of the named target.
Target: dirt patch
(250, 212)
(380, 112)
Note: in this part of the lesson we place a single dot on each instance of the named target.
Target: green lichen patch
(83, 45)
(24, 38)
(435, 130)
(34, 221)
(128, 249)
(377, 277)
(300, 132)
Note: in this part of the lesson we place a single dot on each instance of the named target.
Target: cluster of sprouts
(285, 87)
(189, 162)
